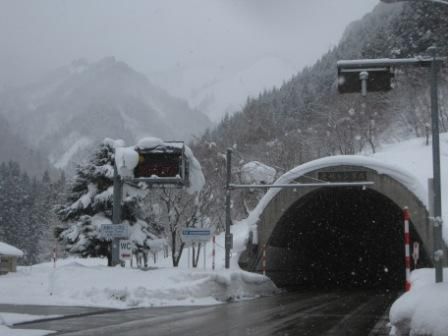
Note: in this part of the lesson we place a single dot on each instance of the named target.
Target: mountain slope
(77, 106)
(306, 118)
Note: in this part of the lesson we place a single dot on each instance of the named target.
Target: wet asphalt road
(298, 313)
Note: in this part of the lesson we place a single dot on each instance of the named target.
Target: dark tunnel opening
(342, 238)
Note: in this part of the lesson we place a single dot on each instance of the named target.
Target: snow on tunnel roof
(9, 250)
(398, 173)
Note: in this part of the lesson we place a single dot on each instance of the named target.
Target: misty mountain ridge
(77, 106)
(219, 91)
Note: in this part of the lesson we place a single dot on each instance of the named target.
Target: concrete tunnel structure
(340, 237)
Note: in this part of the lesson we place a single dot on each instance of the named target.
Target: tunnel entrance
(341, 238)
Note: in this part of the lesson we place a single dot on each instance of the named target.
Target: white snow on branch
(255, 172)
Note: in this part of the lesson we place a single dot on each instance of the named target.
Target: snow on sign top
(127, 159)
(149, 143)
(8, 250)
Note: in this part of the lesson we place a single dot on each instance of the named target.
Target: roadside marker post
(415, 253)
(205, 256)
(407, 242)
(213, 253)
(264, 259)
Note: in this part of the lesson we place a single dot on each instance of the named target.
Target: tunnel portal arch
(392, 189)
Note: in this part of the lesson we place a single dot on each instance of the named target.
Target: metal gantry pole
(228, 235)
(116, 214)
(437, 220)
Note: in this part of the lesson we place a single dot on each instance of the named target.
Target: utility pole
(437, 219)
(353, 69)
(228, 235)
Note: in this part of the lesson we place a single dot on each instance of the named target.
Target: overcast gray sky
(158, 35)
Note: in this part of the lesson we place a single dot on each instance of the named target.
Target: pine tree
(17, 199)
(89, 204)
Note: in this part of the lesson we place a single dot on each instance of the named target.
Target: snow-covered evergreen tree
(89, 204)
(25, 211)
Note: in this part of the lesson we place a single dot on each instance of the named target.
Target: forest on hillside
(306, 118)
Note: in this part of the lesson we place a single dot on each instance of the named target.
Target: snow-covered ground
(89, 282)
(8, 319)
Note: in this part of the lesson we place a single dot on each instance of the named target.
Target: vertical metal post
(116, 214)
(205, 256)
(438, 249)
(363, 77)
(228, 235)
(431, 197)
(213, 253)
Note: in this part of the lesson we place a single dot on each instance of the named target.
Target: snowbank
(89, 282)
(414, 156)
(423, 310)
(9, 250)
(9, 319)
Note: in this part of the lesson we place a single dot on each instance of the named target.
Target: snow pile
(423, 310)
(149, 143)
(255, 172)
(89, 282)
(414, 156)
(197, 179)
(8, 250)
(126, 160)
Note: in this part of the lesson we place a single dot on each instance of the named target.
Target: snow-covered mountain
(217, 91)
(77, 106)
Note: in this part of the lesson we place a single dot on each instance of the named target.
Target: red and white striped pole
(213, 253)
(407, 249)
(263, 260)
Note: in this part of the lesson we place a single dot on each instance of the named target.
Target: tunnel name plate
(342, 176)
